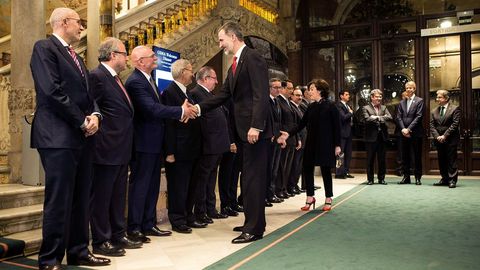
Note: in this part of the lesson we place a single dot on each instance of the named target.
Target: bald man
(65, 119)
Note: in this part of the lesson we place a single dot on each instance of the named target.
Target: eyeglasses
(80, 22)
(211, 77)
(124, 53)
(276, 87)
(298, 95)
(149, 56)
(190, 70)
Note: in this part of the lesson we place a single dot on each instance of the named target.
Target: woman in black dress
(323, 141)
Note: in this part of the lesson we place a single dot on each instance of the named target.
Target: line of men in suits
(444, 128)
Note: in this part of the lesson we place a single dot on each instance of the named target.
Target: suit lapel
(69, 58)
(239, 67)
(115, 86)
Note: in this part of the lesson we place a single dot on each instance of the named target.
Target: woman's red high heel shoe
(328, 204)
(308, 204)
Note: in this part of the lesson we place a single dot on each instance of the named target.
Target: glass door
(472, 127)
(444, 69)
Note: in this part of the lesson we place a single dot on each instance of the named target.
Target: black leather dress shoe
(441, 183)
(217, 215)
(229, 211)
(182, 228)
(281, 195)
(237, 208)
(89, 260)
(349, 175)
(238, 229)
(382, 182)
(338, 176)
(288, 194)
(205, 219)
(51, 267)
(274, 199)
(452, 184)
(268, 204)
(246, 238)
(138, 236)
(315, 187)
(197, 225)
(405, 180)
(127, 243)
(108, 249)
(155, 231)
(417, 181)
(370, 183)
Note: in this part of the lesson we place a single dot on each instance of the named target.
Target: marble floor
(206, 246)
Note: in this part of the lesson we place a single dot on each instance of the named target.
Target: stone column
(295, 67)
(28, 26)
(100, 25)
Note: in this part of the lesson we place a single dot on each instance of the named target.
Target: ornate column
(99, 26)
(28, 25)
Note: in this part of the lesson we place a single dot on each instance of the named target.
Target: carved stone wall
(5, 87)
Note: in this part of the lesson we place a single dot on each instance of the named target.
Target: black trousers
(273, 165)
(308, 171)
(68, 178)
(206, 175)
(408, 145)
(376, 149)
(227, 180)
(296, 168)
(447, 161)
(285, 168)
(181, 191)
(254, 175)
(109, 192)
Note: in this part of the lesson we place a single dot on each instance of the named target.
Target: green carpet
(379, 227)
(26, 263)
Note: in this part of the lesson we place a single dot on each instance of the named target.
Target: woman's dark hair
(322, 86)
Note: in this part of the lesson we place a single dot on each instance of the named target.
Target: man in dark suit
(215, 142)
(410, 120)
(113, 150)
(149, 126)
(288, 121)
(444, 128)
(375, 117)
(183, 145)
(66, 117)
(296, 101)
(346, 114)
(247, 84)
(274, 148)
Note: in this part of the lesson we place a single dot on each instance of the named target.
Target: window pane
(322, 65)
(476, 91)
(390, 29)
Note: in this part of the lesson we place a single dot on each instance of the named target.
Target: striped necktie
(72, 53)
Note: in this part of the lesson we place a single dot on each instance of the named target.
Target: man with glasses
(215, 142)
(183, 142)
(149, 128)
(113, 150)
(65, 119)
(376, 116)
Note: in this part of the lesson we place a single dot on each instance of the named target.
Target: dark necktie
(154, 87)
(72, 53)
(119, 82)
(234, 65)
(442, 111)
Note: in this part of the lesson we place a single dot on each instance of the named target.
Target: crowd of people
(91, 130)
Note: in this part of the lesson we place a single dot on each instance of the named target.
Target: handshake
(190, 111)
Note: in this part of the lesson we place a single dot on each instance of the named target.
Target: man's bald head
(143, 58)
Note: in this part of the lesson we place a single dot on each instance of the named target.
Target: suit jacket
(378, 126)
(249, 90)
(275, 117)
(448, 125)
(62, 96)
(345, 120)
(413, 119)
(214, 125)
(323, 133)
(150, 114)
(289, 119)
(184, 140)
(302, 134)
(114, 139)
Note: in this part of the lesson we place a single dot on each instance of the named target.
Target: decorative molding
(254, 25)
(294, 46)
(21, 102)
(5, 86)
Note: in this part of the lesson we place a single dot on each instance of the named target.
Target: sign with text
(162, 73)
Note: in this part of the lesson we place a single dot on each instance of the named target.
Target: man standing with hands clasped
(247, 85)
(66, 117)
(444, 128)
(409, 119)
